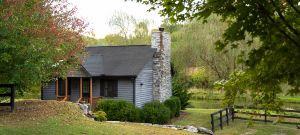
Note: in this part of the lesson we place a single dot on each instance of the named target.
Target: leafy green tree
(91, 41)
(115, 39)
(274, 22)
(180, 86)
(170, 26)
(39, 40)
(192, 48)
(141, 29)
(122, 22)
(129, 30)
(141, 33)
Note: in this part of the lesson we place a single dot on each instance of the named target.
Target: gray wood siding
(49, 91)
(125, 89)
(75, 90)
(143, 85)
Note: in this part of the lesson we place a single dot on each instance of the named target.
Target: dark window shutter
(70, 85)
(102, 88)
(115, 89)
(110, 88)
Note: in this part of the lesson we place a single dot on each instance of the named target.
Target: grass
(195, 117)
(201, 118)
(212, 94)
(212, 99)
(37, 117)
(204, 102)
(294, 99)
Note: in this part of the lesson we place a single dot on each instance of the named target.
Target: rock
(199, 130)
(203, 130)
(113, 121)
(147, 124)
(174, 128)
(191, 129)
(179, 127)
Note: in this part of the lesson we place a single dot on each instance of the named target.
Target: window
(86, 87)
(109, 88)
(62, 87)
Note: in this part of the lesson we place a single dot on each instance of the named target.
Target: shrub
(100, 116)
(199, 78)
(180, 90)
(178, 105)
(156, 113)
(120, 110)
(173, 104)
(136, 115)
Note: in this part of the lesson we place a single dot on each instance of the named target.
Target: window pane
(86, 87)
(109, 88)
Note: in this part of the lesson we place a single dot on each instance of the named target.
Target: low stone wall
(199, 130)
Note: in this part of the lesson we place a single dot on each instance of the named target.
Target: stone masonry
(162, 85)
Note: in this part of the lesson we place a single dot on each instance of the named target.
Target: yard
(35, 117)
(201, 117)
(204, 102)
(52, 117)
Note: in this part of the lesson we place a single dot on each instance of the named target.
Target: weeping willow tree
(195, 59)
(193, 47)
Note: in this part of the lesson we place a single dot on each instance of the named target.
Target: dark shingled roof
(117, 60)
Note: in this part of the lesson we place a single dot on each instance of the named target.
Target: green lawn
(56, 118)
(201, 117)
(195, 117)
(295, 99)
(212, 99)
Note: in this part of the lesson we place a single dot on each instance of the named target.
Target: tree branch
(282, 31)
(213, 66)
(292, 5)
(277, 26)
(283, 19)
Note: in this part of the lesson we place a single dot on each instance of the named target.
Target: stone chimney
(162, 85)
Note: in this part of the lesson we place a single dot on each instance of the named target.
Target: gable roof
(80, 72)
(117, 60)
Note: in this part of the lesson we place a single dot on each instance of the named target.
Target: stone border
(199, 130)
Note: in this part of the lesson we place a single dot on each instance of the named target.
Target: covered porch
(76, 89)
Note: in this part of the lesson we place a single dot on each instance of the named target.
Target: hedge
(156, 113)
(174, 105)
(120, 110)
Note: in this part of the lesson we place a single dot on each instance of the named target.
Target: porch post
(66, 89)
(91, 93)
(80, 89)
(56, 88)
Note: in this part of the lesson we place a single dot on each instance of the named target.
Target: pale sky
(98, 12)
